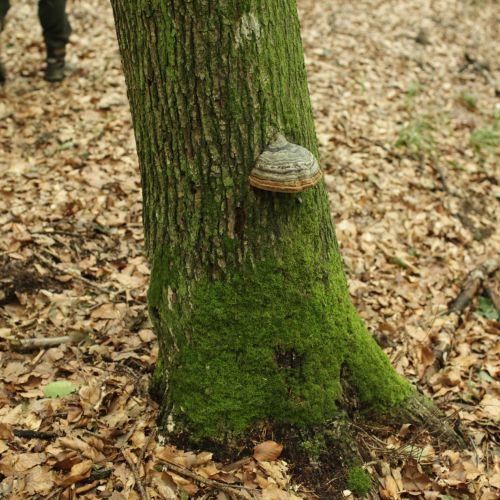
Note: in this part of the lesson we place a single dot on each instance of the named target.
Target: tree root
(421, 411)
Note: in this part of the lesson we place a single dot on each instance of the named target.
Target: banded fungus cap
(285, 167)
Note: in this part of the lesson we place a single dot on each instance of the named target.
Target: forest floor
(408, 122)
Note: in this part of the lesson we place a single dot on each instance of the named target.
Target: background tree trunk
(248, 295)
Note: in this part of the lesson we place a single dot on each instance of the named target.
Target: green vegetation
(315, 447)
(486, 138)
(468, 100)
(269, 343)
(59, 389)
(271, 338)
(416, 137)
(487, 309)
(359, 481)
(414, 89)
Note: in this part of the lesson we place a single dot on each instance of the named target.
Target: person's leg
(56, 32)
(4, 7)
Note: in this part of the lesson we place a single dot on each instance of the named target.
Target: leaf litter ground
(406, 104)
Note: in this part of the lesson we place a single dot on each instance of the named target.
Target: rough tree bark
(248, 295)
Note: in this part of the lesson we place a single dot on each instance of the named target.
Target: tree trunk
(248, 296)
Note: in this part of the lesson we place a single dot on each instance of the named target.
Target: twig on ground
(440, 175)
(239, 491)
(469, 290)
(236, 465)
(61, 233)
(144, 449)
(25, 345)
(24, 433)
(481, 68)
(74, 274)
(472, 285)
(138, 481)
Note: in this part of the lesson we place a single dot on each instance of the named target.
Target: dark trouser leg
(4, 7)
(55, 26)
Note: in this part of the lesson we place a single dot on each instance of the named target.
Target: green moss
(259, 349)
(330, 443)
(265, 344)
(315, 447)
(157, 382)
(359, 481)
(370, 373)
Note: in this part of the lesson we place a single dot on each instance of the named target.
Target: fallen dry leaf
(70, 193)
(78, 472)
(267, 451)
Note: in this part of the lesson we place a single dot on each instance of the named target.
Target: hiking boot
(54, 71)
(3, 74)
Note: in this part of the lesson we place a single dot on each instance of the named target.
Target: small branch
(151, 436)
(182, 471)
(236, 465)
(23, 433)
(138, 481)
(481, 68)
(472, 285)
(440, 174)
(61, 233)
(26, 345)
(75, 274)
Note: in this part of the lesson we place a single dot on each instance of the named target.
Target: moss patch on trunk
(266, 345)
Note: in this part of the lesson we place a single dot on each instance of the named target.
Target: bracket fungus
(284, 167)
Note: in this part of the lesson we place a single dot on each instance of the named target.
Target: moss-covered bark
(247, 294)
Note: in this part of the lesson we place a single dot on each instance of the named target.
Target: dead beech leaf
(203, 457)
(106, 311)
(272, 492)
(267, 451)
(207, 470)
(25, 461)
(78, 472)
(490, 406)
(262, 481)
(226, 477)
(391, 487)
(183, 483)
(413, 478)
(6, 431)
(451, 377)
(39, 480)
(164, 484)
(79, 445)
(427, 358)
(495, 480)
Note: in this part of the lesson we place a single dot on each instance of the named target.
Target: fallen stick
(74, 274)
(238, 491)
(152, 435)
(472, 285)
(482, 68)
(138, 481)
(24, 433)
(26, 345)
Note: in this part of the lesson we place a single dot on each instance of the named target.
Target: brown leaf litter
(404, 95)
